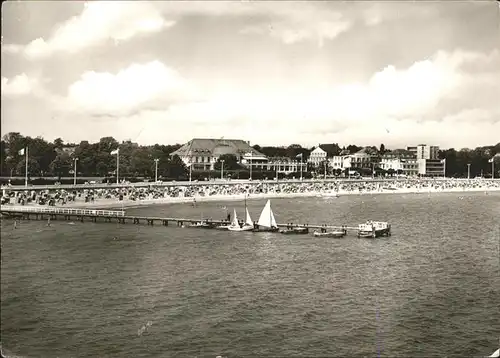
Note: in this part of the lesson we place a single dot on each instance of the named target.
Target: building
(340, 162)
(366, 158)
(424, 151)
(400, 160)
(283, 165)
(431, 167)
(202, 154)
(317, 156)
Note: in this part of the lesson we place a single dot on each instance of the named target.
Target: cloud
(18, 85)
(301, 22)
(410, 102)
(137, 87)
(99, 21)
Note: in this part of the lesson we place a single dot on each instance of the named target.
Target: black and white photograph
(250, 178)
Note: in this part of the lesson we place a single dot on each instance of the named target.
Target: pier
(91, 215)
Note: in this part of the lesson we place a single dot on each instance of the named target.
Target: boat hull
(222, 227)
(295, 231)
(266, 229)
(244, 228)
(374, 234)
(334, 234)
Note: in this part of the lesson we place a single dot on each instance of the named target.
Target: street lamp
(468, 171)
(74, 169)
(251, 157)
(156, 169)
(222, 170)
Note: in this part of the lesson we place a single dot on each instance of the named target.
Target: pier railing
(67, 211)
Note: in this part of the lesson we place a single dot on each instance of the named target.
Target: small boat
(247, 225)
(201, 225)
(267, 222)
(295, 231)
(336, 233)
(373, 229)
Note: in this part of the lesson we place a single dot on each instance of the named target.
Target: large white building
(202, 154)
(401, 161)
(424, 151)
(317, 156)
(340, 162)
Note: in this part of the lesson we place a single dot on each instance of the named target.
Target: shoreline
(117, 204)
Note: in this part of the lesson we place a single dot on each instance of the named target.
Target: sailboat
(247, 226)
(266, 220)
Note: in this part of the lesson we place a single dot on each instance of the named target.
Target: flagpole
(117, 164)
(26, 173)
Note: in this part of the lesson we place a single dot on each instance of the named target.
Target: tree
(382, 149)
(58, 143)
(230, 162)
(33, 167)
(353, 148)
(61, 165)
(176, 168)
(325, 164)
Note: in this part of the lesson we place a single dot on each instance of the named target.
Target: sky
(272, 73)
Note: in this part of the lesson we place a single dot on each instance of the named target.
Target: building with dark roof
(202, 153)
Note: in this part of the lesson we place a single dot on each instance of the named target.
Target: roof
(318, 150)
(204, 146)
(399, 153)
(367, 151)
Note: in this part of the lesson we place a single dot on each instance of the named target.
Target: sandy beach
(115, 203)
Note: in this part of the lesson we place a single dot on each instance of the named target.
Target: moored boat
(336, 233)
(202, 224)
(247, 225)
(295, 231)
(373, 229)
(267, 222)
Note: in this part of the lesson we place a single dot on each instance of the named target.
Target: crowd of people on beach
(58, 197)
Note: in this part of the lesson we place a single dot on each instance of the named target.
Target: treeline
(57, 159)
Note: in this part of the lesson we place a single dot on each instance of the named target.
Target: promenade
(114, 195)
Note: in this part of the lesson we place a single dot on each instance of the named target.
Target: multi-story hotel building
(400, 160)
(317, 156)
(202, 154)
(424, 151)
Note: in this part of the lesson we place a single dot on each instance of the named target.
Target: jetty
(118, 216)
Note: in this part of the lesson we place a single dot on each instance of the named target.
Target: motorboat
(373, 229)
(335, 233)
(295, 231)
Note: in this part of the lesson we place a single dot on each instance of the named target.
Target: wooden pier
(91, 215)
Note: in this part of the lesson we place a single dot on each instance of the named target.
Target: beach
(114, 202)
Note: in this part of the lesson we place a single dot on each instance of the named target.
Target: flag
(491, 160)
(115, 151)
(299, 156)
(22, 151)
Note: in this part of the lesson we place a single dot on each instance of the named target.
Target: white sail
(266, 218)
(248, 220)
(235, 223)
